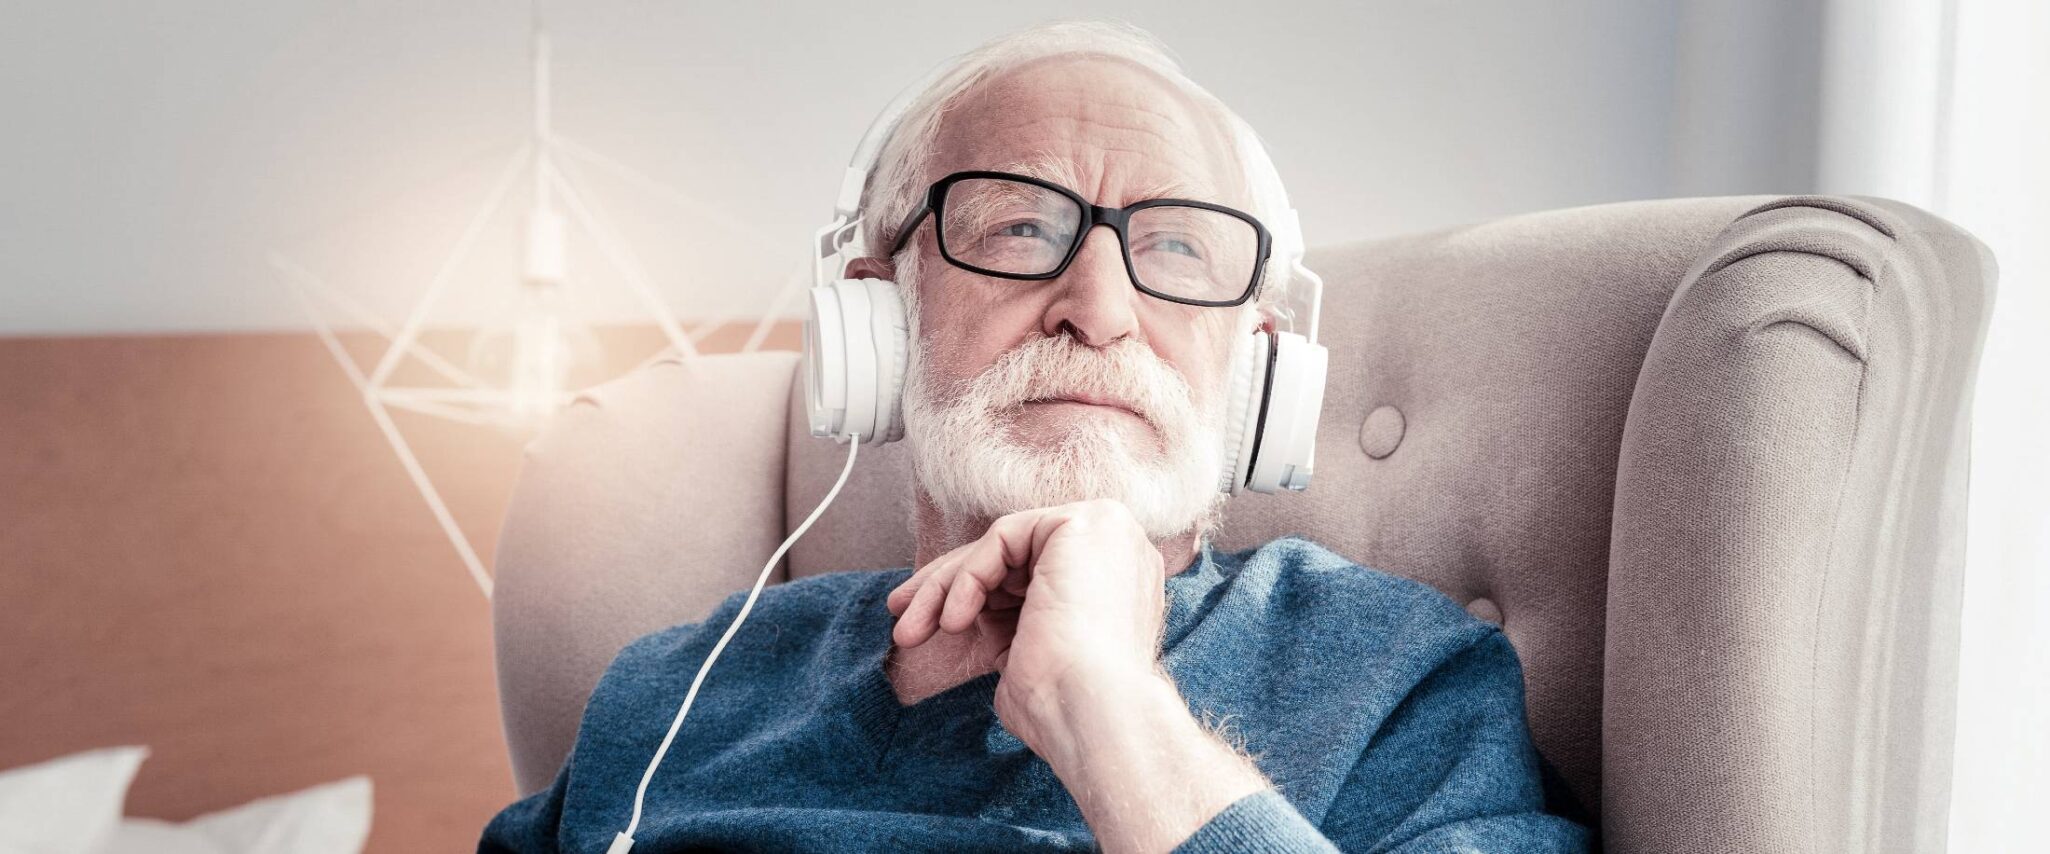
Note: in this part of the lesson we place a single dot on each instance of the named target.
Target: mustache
(1128, 373)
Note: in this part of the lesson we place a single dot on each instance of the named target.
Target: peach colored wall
(207, 547)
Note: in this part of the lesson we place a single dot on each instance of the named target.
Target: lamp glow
(522, 360)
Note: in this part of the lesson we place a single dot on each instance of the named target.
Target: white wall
(1746, 97)
(155, 152)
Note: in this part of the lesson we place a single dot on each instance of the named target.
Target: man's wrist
(1095, 704)
(1144, 771)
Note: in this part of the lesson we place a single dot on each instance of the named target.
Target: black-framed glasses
(1019, 227)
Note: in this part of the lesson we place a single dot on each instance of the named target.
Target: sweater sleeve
(1263, 822)
(1452, 769)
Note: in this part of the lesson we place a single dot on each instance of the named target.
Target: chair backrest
(1635, 435)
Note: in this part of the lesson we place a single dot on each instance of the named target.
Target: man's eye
(1027, 229)
(1174, 245)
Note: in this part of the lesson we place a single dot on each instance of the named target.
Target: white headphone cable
(623, 842)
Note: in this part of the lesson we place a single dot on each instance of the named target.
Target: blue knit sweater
(1387, 718)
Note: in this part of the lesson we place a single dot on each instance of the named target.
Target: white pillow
(331, 818)
(72, 805)
(68, 805)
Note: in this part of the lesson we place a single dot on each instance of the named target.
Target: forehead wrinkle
(1184, 124)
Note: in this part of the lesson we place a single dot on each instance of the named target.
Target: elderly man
(1071, 666)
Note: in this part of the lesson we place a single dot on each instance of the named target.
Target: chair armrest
(1787, 540)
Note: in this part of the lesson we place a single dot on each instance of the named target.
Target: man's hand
(1074, 600)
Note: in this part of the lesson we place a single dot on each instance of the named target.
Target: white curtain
(1946, 104)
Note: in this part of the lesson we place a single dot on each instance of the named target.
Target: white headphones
(857, 341)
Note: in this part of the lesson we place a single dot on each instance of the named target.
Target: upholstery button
(1381, 432)
(1485, 609)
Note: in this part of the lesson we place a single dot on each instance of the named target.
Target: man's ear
(871, 268)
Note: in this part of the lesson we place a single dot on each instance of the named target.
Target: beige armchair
(1703, 459)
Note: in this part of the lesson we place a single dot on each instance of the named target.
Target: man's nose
(1095, 301)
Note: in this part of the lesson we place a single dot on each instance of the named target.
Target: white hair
(897, 179)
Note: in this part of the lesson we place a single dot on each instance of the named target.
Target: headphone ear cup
(855, 345)
(1242, 409)
(824, 362)
(891, 331)
(1284, 451)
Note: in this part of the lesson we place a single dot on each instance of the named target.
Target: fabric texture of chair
(1704, 460)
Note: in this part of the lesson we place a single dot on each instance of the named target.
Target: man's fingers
(1016, 583)
(998, 629)
(1018, 535)
(911, 594)
(900, 597)
(964, 601)
(948, 593)
(921, 615)
(981, 569)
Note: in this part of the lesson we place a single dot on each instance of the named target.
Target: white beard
(970, 465)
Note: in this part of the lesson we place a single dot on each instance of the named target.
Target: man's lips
(1092, 400)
